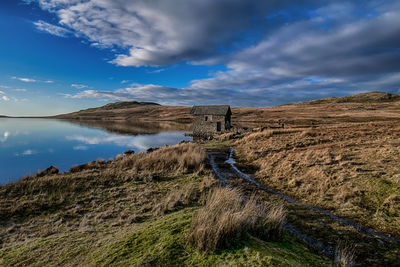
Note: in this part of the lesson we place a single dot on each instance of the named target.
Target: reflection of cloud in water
(27, 152)
(7, 134)
(141, 142)
(4, 137)
(80, 147)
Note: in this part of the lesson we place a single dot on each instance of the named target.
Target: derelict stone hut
(211, 119)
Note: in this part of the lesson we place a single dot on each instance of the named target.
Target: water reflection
(135, 127)
(27, 152)
(141, 142)
(4, 137)
(29, 145)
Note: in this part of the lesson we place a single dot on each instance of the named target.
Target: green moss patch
(162, 243)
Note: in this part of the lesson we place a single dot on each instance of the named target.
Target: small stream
(327, 250)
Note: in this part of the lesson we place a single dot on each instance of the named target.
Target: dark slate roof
(211, 110)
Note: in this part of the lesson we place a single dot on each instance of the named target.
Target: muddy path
(320, 229)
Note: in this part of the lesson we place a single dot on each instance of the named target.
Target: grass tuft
(344, 256)
(227, 218)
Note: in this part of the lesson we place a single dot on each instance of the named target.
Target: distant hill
(127, 104)
(371, 97)
(131, 111)
(2, 116)
(373, 106)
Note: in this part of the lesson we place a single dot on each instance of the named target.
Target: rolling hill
(356, 108)
(131, 111)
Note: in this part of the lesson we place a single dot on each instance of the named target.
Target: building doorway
(218, 126)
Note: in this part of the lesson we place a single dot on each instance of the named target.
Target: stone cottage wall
(203, 127)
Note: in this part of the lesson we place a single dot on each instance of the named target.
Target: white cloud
(157, 32)
(97, 94)
(156, 71)
(26, 80)
(9, 98)
(335, 47)
(2, 93)
(20, 90)
(28, 1)
(168, 95)
(52, 29)
(79, 86)
(346, 54)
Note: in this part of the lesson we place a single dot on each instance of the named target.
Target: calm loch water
(29, 145)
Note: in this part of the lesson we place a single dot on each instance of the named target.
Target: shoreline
(143, 164)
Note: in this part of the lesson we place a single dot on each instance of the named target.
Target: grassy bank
(349, 168)
(134, 210)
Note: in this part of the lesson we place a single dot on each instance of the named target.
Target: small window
(206, 118)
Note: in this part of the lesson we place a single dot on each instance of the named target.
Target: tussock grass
(227, 218)
(162, 243)
(181, 158)
(121, 188)
(351, 169)
(178, 197)
(344, 256)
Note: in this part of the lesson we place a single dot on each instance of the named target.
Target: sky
(59, 56)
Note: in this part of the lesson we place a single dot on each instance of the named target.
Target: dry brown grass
(181, 158)
(358, 108)
(189, 193)
(134, 113)
(351, 168)
(224, 136)
(101, 194)
(344, 256)
(227, 217)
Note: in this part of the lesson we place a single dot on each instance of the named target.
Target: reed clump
(228, 217)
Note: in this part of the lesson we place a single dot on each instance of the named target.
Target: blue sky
(59, 56)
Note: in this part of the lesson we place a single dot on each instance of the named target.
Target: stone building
(211, 119)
